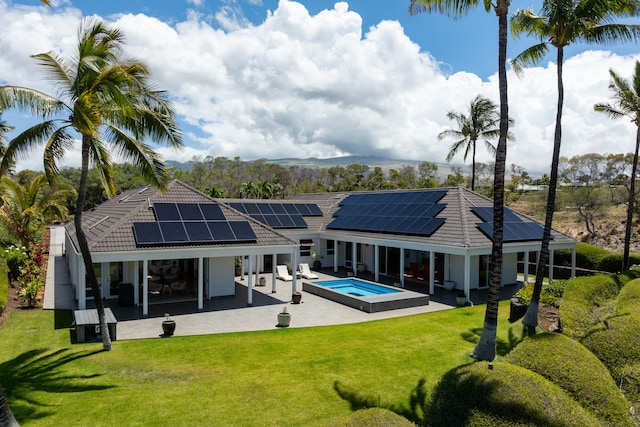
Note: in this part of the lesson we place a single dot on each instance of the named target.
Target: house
(433, 237)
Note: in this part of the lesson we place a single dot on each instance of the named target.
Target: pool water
(356, 287)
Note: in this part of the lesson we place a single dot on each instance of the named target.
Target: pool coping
(401, 298)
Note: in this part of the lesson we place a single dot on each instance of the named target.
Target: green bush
(507, 395)
(587, 256)
(617, 345)
(4, 285)
(549, 294)
(15, 256)
(586, 378)
(374, 417)
(613, 262)
(628, 301)
(586, 302)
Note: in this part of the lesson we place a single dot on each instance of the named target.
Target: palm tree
(485, 349)
(109, 101)
(627, 96)
(482, 122)
(26, 209)
(561, 23)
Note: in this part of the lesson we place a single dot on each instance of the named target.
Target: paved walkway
(226, 314)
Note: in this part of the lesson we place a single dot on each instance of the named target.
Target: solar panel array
(409, 213)
(515, 228)
(191, 223)
(279, 215)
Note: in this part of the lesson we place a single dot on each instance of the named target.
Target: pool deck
(231, 314)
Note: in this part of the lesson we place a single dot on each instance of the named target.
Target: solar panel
(298, 221)
(198, 231)
(515, 230)
(242, 231)
(147, 233)
(239, 207)
(221, 231)
(173, 231)
(166, 212)
(402, 212)
(314, 209)
(278, 209)
(190, 212)
(265, 208)
(212, 212)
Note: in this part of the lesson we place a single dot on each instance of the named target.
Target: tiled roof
(109, 226)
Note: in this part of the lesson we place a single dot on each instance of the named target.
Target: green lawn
(283, 377)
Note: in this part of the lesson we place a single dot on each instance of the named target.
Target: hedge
(628, 301)
(587, 256)
(617, 345)
(374, 417)
(613, 262)
(585, 378)
(505, 395)
(587, 301)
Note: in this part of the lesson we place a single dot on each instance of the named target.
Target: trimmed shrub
(617, 345)
(507, 395)
(374, 417)
(587, 256)
(586, 302)
(628, 301)
(586, 378)
(613, 262)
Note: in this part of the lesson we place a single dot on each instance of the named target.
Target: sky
(267, 79)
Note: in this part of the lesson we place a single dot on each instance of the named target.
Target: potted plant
(238, 262)
(520, 302)
(316, 260)
(284, 318)
(168, 325)
(296, 297)
(461, 299)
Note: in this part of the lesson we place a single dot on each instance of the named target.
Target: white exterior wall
(221, 277)
(509, 268)
(454, 270)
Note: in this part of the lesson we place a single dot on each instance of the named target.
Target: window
(305, 247)
(331, 247)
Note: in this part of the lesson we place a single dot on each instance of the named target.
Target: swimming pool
(357, 287)
(366, 296)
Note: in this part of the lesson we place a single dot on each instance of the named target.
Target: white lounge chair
(283, 274)
(305, 271)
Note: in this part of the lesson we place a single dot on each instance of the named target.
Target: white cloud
(299, 85)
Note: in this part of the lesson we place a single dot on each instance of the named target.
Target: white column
(335, 256)
(376, 263)
(467, 273)
(82, 287)
(294, 269)
(250, 282)
(145, 287)
(257, 270)
(354, 257)
(201, 283)
(432, 263)
(526, 266)
(573, 262)
(274, 259)
(551, 253)
(402, 267)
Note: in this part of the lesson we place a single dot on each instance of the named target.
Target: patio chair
(179, 285)
(283, 274)
(305, 271)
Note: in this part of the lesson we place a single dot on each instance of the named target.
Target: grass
(284, 377)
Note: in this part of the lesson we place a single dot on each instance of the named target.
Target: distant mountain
(444, 169)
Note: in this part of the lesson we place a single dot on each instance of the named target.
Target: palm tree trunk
(632, 199)
(6, 416)
(485, 349)
(473, 166)
(530, 318)
(84, 247)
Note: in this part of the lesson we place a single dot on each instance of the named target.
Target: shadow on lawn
(34, 372)
(502, 347)
(415, 411)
